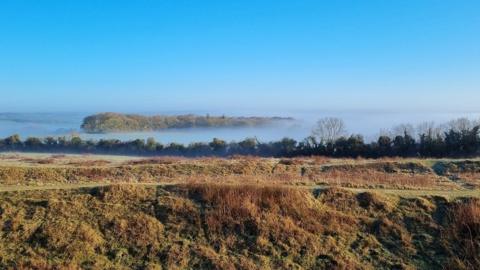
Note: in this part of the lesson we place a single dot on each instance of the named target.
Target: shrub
(462, 234)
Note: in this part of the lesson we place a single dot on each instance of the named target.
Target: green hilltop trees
(115, 122)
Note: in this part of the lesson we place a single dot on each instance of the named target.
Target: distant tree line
(328, 139)
(115, 122)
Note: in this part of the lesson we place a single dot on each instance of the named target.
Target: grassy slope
(206, 226)
(62, 212)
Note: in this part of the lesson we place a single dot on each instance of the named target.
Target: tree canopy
(115, 122)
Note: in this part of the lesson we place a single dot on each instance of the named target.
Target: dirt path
(13, 188)
(407, 193)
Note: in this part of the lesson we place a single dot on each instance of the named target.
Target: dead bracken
(205, 226)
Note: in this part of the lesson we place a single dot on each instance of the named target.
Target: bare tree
(385, 132)
(430, 129)
(460, 124)
(476, 123)
(403, 129)
(329, 129)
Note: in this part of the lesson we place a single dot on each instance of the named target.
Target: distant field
(395, 174)
(33, 173)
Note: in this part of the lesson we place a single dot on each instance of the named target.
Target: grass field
(113, 212)
(44, 169)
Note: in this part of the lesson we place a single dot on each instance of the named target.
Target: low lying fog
(369, 124)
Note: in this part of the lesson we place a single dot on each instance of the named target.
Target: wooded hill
(115, 122)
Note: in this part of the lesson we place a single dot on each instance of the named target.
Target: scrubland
(43, 169)
(237, 213)
(216, 226)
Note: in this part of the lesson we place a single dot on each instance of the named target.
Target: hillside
(235, 227)
(115, 212)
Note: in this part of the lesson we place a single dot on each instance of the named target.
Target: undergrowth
(213, 226)
(309, 171)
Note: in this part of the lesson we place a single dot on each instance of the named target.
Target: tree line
(460, 139)
(116, 122)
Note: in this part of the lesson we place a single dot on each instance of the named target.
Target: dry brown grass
(392, 173)
(470, 178)
(88, 163)
(212, 226)
(462, 234)
(319, 160)
(371, 178)
(261, 213)
(155, 160)
(38, 160)
(237, 201)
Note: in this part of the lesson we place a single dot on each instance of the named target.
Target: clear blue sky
(239, 55)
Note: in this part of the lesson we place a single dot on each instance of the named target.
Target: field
(114, 212)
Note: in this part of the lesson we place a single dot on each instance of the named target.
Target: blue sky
(405, 55)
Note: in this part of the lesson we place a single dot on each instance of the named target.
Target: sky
(270, 55)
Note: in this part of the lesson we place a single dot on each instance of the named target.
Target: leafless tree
(329, 129)
(385, 132)
(403, 129)
(476, 123)
(430, 129)
(460, 124)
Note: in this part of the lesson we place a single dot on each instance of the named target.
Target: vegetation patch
(208, 226)
(395, 173)
(115, 122)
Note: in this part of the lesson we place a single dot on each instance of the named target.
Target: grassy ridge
(202, 226)
(226, 213)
